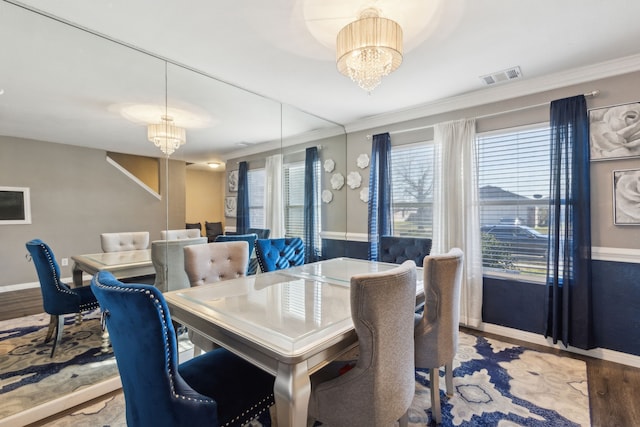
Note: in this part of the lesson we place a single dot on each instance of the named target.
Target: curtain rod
(591, 94)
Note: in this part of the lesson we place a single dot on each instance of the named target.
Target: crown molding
(503, 92)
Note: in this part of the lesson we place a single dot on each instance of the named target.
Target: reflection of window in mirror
(146, 169)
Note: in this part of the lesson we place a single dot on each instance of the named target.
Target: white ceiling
(62, 84)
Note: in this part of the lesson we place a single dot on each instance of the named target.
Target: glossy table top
(105, 260)
(287, 311)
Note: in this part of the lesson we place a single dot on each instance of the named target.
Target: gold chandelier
(369, 49)
(166, 136)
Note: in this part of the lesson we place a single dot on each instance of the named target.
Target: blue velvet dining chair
(277, 254)
(217, 388)
(250, 238)
(396, 249)
(58, 298)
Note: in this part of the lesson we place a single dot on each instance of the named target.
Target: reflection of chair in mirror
(212, 230)
(57, 297)
(380, 386)
(397, 250)
(126, 241)
(262, 233)
(216, 389)
(214, 262)
(252, 265)
(167, 257)
(436, 330)
(194, 225)
(187, 233)
(277, 254)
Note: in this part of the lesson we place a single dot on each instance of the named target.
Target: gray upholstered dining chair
(379, 388)
(125, 241)
(167, 257)
(213, 262)
(436, 328)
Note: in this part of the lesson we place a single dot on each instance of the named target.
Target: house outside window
(513, 179)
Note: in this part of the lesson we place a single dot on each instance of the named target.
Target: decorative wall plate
(354, 179)
(362, 161)
(364, 194)
(327, 196)
(337, 181)
(329, 165)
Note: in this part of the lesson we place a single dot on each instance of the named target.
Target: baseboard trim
(597, 353)
(40, 412)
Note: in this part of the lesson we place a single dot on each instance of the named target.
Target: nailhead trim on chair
(255, 410)
(83, 307)
(156, 301)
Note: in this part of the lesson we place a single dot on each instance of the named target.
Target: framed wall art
(230, 207)
(615, 132)
(626, 197)
(233, 181)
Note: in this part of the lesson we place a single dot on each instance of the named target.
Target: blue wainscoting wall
(520, 305)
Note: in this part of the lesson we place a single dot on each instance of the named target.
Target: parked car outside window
(520, 239)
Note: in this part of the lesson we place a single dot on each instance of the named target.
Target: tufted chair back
(277, 254)
(215, 389)
(399, 249)
(167, 257)
(251, 240)
(381, 385)
(436, 329)
(57, 297)
(187, 233)
(213, 262)
(127, 241)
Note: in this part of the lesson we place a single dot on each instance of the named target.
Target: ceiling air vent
(502, 76)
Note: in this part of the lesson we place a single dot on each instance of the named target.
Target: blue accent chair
(397, 250)
(277, 254)
(251, 240)
(217, 388)
(57, 297)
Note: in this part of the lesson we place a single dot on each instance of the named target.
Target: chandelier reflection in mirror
(369, 49)
(166, 136)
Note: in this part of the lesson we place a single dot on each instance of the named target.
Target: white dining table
(121, 264)
(289, 322)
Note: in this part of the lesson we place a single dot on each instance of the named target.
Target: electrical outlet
(64, 262)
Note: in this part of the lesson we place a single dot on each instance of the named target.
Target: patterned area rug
(29, 377)
(505, 385)
(496, 384)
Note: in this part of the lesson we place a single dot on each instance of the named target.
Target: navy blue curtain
(379, 192)
(569, 305)
(242, 212)
(311, 238)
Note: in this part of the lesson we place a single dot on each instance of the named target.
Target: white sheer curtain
(273, 191)
(456, 220)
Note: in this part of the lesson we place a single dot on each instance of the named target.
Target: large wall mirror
(93, 96)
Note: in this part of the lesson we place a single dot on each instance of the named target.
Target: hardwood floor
(614, 389)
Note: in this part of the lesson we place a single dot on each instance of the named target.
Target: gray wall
(615, 90)
(76, 195)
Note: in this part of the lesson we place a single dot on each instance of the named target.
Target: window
(412, 190)
(256, 178)
(294, 199)
(513, 179)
